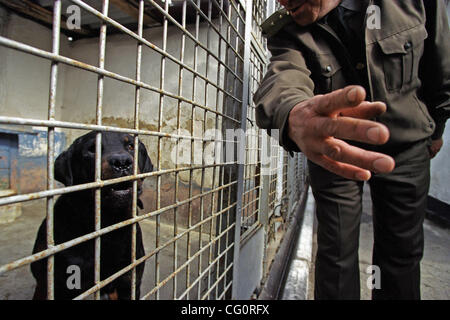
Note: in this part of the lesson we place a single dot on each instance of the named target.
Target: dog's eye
(130, 147)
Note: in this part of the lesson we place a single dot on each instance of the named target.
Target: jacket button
(408, 45)
(360, 66)
(328, 69)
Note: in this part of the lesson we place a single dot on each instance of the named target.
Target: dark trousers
(399, 203)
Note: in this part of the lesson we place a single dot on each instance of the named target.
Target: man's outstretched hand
(317, 126)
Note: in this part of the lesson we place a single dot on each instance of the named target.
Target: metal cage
(179, 76)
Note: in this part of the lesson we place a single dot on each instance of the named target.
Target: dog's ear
(63, 167)
(145, 164)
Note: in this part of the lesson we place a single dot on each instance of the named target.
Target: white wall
(24, 78)
(24, 81)
(80, 90)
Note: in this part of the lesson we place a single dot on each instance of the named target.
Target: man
(362, 88)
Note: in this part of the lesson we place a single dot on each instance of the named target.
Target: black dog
(74, 217)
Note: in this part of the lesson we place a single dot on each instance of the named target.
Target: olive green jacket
(408, 61)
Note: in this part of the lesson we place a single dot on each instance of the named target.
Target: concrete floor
(17, 240)
(435, 266)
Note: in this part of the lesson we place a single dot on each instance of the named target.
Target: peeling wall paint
(35, 145)
(29, 163)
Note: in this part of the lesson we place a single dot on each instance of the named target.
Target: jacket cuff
(282, 122)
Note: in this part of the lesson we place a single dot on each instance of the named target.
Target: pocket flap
(402, 42)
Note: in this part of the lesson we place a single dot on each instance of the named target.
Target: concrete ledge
(297, 280)
(273, 287)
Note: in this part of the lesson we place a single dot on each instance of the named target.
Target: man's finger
(352, 129)
(341, 169)
(366, 110)
(341, 151)
(332, 103)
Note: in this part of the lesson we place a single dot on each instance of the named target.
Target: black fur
(74, 216)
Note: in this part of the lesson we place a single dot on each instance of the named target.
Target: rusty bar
(244, 106)
(225, 290)
(220, 218)
(250, 202)
(202, 183)
(57, 248)
(215, 173)
(229, 175)
(184, 265)
(93, 185)
(94, 127)
(133, 265)
(193, 38)
(241, 3)
(207, 269)
(224, 14)
(98, 145)
(161, 109)
(51, 146)
(192, 153)
(90, 236)
(197, 7)
(215, 284)
(177, 181)
(137, 102)
(232, 171)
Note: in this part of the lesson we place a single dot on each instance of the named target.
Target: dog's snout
(121, 162)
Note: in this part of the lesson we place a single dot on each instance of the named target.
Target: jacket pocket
(428, 122)
(401, 57)
(329, 73)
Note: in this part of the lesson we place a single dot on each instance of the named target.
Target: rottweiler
(74, 216)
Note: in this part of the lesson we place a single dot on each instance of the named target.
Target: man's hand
(435, 147)
(317, 126)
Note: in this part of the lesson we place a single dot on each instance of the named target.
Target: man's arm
(285, 84)
(317, 125)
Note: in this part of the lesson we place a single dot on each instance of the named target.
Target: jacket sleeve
(435, 65)
(285, 84)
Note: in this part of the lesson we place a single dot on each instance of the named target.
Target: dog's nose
(122, 162)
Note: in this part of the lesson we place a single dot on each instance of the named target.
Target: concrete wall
(24, 85)
(80, 90)
(24, 91)
(24, 78)
(440, 166)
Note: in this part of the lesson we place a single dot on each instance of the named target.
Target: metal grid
(229, 30)
(252, 175)
(220, 62)
(259, 15)
(274, 170)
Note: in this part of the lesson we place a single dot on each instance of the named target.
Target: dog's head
(76, 165)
